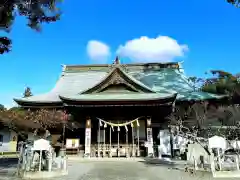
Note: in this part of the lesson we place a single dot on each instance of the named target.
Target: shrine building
(120, 107)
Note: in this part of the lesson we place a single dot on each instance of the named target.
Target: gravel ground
(123, 170)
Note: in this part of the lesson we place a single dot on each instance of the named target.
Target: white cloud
(159, 49)
(98, 51)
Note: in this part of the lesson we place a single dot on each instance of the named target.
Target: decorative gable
(117, 81)
(118, 88)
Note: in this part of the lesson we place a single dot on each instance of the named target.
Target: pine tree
(36, 11)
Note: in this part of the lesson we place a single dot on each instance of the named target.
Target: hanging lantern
(100, 123)
(88, 122)
(126, 128)
(118, 128)
(149, 122)
(138, 124)
(105, 125)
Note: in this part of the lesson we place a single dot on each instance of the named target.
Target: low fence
(104, 150)
(8, 154)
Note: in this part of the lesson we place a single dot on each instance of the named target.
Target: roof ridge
(130, 65)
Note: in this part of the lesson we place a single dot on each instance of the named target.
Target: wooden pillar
(110, 142)
(171, 141)
(127, 148)
(149, 137)
(118, 154)
(133, 143)
(87, 152)
(104, 141)
(99, 134)
(138, 150)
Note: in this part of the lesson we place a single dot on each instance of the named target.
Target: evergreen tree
(2, 107)
(234, 2)
(223, 83)
(36, 11)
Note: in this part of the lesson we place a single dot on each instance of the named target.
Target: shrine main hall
(120, 108)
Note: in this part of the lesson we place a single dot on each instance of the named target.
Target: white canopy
(217, 142)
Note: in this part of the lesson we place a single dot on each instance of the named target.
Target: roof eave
(204, 99)
(170, 98)
(24, 103)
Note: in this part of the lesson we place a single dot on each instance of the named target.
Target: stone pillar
(87, 152)
(149, 138)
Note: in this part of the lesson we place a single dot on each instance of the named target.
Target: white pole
(50, 162)
(195, 164)
(40, 161)
(219, 159)
(237, 162)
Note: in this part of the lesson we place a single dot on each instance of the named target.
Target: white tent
(217, 142)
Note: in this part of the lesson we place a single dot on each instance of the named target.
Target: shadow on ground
(7, 174)
(8, 162)
(160, 162)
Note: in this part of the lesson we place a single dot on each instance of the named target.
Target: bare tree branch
(196, 123)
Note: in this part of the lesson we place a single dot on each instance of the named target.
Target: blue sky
(205, 34)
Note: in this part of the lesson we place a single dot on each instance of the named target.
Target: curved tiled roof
(162, 80)
(171, 80)
(67, 85)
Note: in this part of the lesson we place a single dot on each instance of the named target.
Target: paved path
(129, 170)
(7, 167)
(124, 170)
